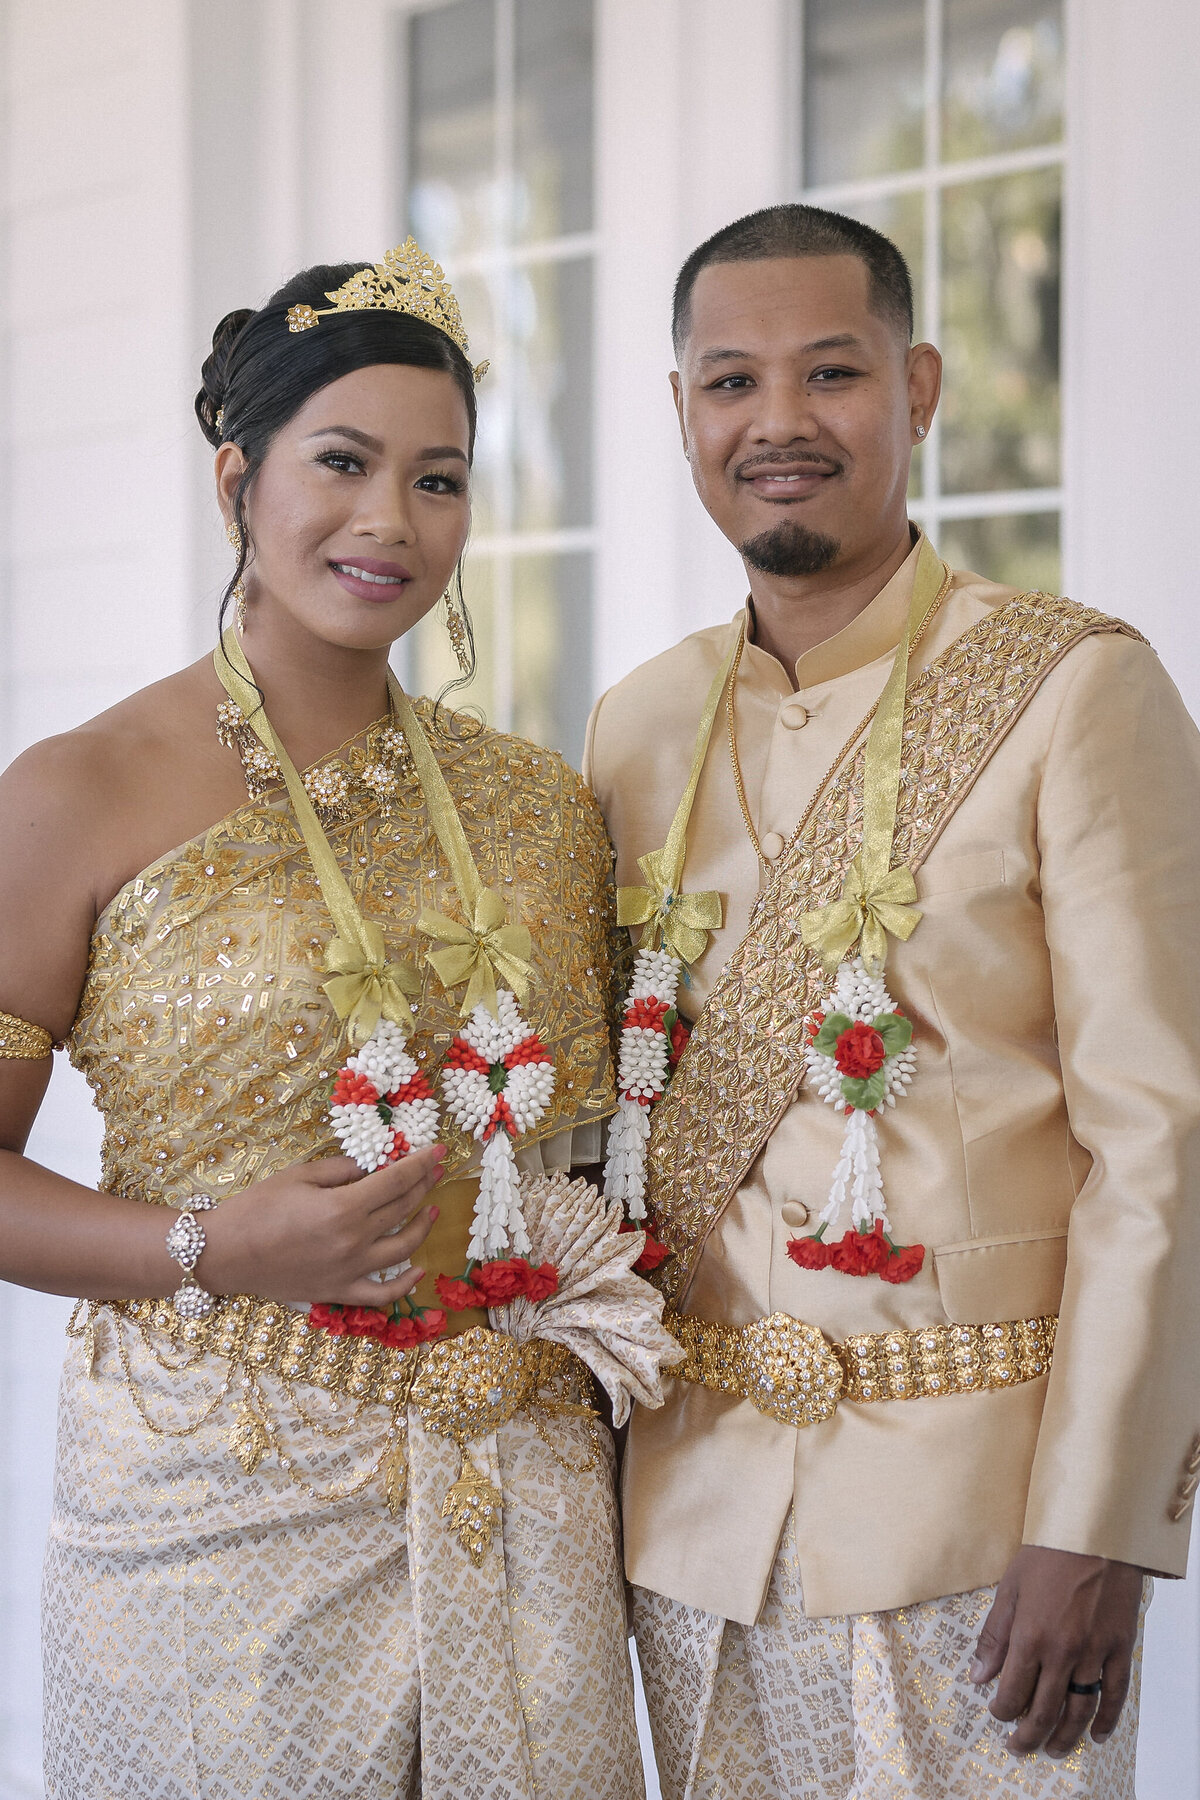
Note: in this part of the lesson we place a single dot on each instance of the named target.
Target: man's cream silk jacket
(1047, 1153)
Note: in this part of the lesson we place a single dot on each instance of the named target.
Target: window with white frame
(940, 122)
(499, 179)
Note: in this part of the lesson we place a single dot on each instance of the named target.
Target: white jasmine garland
(859, 1007)
(643, 1070)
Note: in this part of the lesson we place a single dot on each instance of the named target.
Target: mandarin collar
(871, 634)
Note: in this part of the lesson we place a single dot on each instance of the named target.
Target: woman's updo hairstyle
(260, 374)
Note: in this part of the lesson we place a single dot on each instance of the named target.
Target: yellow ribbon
(871, 913)
(365, 986)
(681, 921)
(877, 899)
(479, 953)
(487, 951)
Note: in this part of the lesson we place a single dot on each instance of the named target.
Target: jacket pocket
(959, 874)
(986, 1280)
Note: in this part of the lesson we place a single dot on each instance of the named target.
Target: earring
(920, 431)
(456, 631)
(237, 592)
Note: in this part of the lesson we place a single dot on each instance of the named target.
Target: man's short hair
(795, 230)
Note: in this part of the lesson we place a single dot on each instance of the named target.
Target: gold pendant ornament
(472, 1506)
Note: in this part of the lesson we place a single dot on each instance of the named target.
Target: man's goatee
(790, 549)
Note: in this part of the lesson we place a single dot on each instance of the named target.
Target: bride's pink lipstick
(368, 579)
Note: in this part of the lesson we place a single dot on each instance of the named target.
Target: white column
(95, 556)
(1132, 393)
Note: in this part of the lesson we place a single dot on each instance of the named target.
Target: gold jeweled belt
(462, 1388)
(792, 1372)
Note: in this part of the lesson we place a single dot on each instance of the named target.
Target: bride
(333, 1509)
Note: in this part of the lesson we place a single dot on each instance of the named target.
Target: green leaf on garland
(866, 1095)
(832, 1029)
(895, 1031)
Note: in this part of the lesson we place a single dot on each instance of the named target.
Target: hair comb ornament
(406, 281)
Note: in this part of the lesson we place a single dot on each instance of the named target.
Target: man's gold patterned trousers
(875, 1706)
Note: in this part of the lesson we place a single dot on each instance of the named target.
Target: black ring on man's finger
(1090, 1688)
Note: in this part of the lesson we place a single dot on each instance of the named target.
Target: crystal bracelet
(185, 1245)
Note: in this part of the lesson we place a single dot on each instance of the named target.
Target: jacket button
(793, 714)
(771, 845)
(794, 1212)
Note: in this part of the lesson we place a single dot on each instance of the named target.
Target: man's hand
(1058, 1618)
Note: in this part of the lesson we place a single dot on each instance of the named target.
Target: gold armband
(22, 1042)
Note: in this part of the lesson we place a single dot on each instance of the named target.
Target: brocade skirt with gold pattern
(211, 1634)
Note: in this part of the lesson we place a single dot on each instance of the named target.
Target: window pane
(900, 217)
(431, 661)
(552, 662)
(1021, 550)
(477, 299)
(1000, 333)
(1003, 75)
(452, 127)
(864, 88)
(553, 118)
(551, 349)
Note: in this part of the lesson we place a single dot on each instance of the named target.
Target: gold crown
(406, 281)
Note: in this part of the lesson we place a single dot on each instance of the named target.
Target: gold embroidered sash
(744, 1062)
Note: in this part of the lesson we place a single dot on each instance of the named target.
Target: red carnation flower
(681, 1031)
(500, 1281)
(815, 1024)
(654, 1251)
(366, 1321)
(541, 1282)
(902, 1265)
(431, 1322)
(861, 1252)
(859, 1051)
(403, 1333)
(328, 1318)
(808, 1252)
(455, 1294)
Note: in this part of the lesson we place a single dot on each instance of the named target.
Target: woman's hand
(319, 1231)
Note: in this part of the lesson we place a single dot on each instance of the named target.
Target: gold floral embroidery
(745, 1059)
(202, 1028)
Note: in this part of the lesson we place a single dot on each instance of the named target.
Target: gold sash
(744, 1061)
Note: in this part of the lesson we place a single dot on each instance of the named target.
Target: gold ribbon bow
(681, 921)
(487, 951)
(365, 987)
(869, 909)
(877, 899)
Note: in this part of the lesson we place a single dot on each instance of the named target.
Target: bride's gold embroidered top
(203, 1028)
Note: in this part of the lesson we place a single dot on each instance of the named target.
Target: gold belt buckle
(470, 1385)
(789, 1370)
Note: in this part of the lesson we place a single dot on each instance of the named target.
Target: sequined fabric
(874, 1706)
(203, 1029)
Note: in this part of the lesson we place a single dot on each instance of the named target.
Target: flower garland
(498, 1080)
(861, 1057)
(652, 1039)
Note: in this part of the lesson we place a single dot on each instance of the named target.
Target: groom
(857, 1549)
